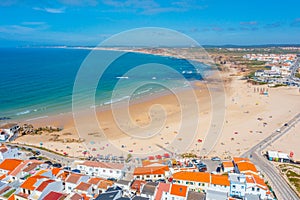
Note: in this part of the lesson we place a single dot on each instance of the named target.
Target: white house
(196, 181)
(73, 180)
(237, 185)
(8, 152)
(102, 169)
(151, 172)
(176, 192)
(8, 131)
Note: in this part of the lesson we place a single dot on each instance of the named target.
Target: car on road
(216, 158)
(48, 162)
(33, 158)
(286, 124)
(57, 165)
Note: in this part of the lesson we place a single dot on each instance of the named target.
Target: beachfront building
(243, 166)
(8, 132)
(278, 156)
(151, 172)
(227, 166)
(196, 181)
(102, 169)
(237, 185)
(242, 185)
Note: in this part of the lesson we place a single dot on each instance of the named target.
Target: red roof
(43, 185)
(29, 183)
(53, 196)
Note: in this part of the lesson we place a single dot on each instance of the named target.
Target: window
(233, 186)
(110, 171)
(253, 189)
(159, 175)
(148, 176)
(257, 189)
(242, 187)
(118, 172)
(96, 170)
(104, 170)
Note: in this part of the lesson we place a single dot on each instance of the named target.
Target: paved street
(51, 156)
(282, 189)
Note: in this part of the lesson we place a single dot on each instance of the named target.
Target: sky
(89, 22)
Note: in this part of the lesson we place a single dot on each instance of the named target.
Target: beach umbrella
(199, 140)
(291, 154)
(151, 158)
(166, 155)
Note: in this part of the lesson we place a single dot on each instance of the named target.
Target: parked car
(48, 162)
(216, 158)
(57, 165)
(76, 171)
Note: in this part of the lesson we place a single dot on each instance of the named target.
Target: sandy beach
(250, 117)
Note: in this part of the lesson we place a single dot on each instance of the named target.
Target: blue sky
(88, 22)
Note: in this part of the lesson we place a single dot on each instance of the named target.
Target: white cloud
(50, 10)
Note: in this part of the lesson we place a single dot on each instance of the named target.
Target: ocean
(37, 82)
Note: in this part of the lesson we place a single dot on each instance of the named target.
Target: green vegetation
(291, 174)
(279, 85)
(6, 195)
(297, 75)
(295, 182)
(129, 156)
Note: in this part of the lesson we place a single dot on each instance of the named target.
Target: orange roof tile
(43, 185)
(29, 183)
(104, 184)
(95, 181)
(73, 178)
(260, 181)
(203, 177)
(220, 180)
(150, 170)
(246, 166)
(137, 184)
(10, 164)
(12, 197)
(238, 159)
(178, 190)
(83, 186)
(227, 164)
(55, 171)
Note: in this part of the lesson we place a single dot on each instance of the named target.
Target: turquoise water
(36, 82)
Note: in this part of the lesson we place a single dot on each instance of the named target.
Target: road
(51, 156)
(281, 187)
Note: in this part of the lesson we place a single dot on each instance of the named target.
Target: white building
(73, 180)
(102, 169)
(8, 152)
(8, 131)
